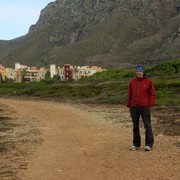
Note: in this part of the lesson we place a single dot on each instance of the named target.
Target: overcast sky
(16, 16)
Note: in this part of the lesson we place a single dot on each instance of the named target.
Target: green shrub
(166, 97)
(165, 68)
(49, 80)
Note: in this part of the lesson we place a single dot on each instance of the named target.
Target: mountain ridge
(118, 33)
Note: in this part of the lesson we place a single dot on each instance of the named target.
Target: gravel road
(43, 140)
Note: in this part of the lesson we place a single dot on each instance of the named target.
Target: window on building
(84, 72)
(67, 73)
(11, 74)
(81, 72)
(77, 76)
(42, 74)
(62, 77)
(88, 71)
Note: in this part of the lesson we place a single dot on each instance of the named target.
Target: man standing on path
(141, 97)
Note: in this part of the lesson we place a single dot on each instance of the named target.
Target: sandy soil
(62, 141)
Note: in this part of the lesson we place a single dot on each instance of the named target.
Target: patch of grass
(8, 173)
(170, 68)
(167, 98)
(110, 75)
(71, 91)
(5, 146)
(5, 125)
(167, 84)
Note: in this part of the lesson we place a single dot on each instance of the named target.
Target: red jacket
(141, 93)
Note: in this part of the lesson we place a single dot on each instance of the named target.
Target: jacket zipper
(138, 93)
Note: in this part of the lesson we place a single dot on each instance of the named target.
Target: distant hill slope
(108, 33)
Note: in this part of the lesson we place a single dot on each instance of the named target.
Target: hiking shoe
(147, 148)
(134, 148)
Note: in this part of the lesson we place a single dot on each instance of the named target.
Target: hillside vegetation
(109, 86)
(106, 33)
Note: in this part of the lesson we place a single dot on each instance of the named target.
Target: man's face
(139, 73)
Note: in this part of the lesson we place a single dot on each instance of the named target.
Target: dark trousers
(146, 117)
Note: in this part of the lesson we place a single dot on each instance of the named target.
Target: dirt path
(75, 142)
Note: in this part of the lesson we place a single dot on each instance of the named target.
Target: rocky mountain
(108, 33)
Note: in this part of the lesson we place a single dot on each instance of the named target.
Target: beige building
(23, 73)
(60, 71)
(78, 72)
(34, 75)
(20, 66)
(85, 71)
(11, 74)
(3, 73)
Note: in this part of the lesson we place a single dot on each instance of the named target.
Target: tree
(57, 77)
(0, 77)
(23, 73)
(47, 75)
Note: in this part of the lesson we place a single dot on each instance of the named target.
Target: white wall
(52, 70)
(17, 66)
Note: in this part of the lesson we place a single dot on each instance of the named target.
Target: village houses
(23, 73)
